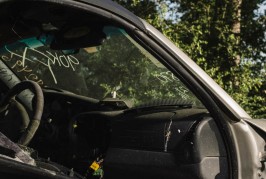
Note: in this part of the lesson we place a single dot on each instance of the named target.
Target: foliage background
(227, 38)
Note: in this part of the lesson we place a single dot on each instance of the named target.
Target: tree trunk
(236, 29)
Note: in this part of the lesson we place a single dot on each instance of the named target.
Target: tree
(226, 38)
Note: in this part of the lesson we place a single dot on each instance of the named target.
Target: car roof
(115, 8)
(107, 5)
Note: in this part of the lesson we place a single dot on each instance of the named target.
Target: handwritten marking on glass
(169, 77)
(47, 59)
(28, 73)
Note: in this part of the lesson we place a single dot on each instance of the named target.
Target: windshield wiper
(163, 104)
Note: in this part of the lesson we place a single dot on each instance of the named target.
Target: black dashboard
(171, 141)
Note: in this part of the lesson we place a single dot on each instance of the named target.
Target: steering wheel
(34, 123)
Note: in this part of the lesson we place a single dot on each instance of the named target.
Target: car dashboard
(75, 132)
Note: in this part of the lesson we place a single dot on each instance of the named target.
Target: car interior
(58, 119)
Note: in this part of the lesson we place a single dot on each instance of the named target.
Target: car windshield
(116, 68)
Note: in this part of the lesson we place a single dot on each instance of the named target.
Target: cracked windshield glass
(117, 68)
